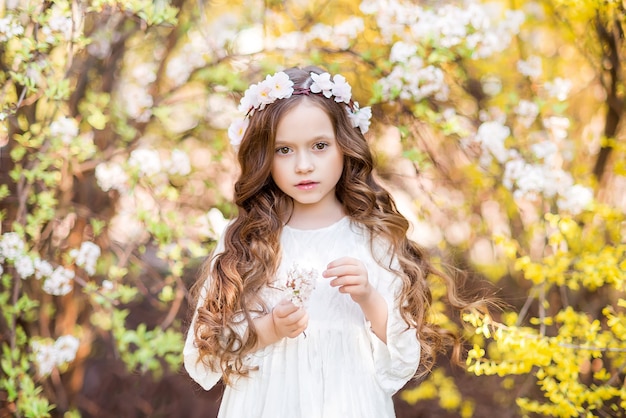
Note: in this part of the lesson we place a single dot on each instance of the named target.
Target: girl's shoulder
(219, 233)
(378, 245)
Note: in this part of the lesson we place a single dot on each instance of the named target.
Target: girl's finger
(340, 271)
(347, 281)
(342, 260)
(284, 309)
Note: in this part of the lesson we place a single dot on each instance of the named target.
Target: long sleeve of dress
(396, 361)
(198, 370)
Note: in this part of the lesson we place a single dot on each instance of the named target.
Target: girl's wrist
(266, 330)
(275, 333)
(374, 309)
(366, 299)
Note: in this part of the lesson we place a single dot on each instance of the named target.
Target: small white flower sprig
(300, 283)
(279, 86)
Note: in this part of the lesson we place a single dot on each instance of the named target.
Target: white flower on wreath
(341, 89)
(322, 84)
(360, 117)
(281, 86)
(250, 99)
(236, 130)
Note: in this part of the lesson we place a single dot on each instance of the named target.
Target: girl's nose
(304, 164)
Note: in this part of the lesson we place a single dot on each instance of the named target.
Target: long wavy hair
(252, 253)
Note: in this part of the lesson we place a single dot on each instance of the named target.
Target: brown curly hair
(252, 252)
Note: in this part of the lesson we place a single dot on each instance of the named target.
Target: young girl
(315, 303)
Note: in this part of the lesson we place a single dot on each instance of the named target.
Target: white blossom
(13, 4)
(111, 176)
(575, 199)
(412, 81)
(369, 7)
(558, 88)
(556, 181)
(65, 129)
(484, 28)
(34, 71)
(148, 161)
(250, 40)
(137, 101)
(24, 266)
(452, 25)
(49, 355)
(544, 149)
(144, 73)
(349, 29)
(513, 169)
(86, 256)
(527, 112)
(66, 348)
(216, 38)
(10, 28)
(191, 56)
(402, 51)
(491, 135)
(530, 182)
(496, 35)
(221, 111)
(61, 24)
(178, 69)
(530, 67)
(60, 282)
(179, 163)
(11, 246)
(42, 268)
(557, 126)
(300, 283)
(512, 21)
(291, 41)
(45, 357)
(341, 35)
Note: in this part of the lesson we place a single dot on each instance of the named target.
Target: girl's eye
(283, 150)
(320, 146)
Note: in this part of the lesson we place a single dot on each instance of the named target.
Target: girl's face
(307, 160)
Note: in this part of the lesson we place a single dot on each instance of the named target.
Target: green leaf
(98, 120)
(17, 153)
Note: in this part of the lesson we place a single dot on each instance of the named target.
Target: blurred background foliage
(499, 127)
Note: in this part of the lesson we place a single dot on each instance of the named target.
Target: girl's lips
(306, 185)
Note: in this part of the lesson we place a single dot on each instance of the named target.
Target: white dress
(339, 368)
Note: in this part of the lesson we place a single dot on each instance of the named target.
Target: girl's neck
(304, 217)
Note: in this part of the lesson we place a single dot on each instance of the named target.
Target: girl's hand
(350, 277)
(289, 320)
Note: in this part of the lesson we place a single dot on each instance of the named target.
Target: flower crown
(279, 86)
